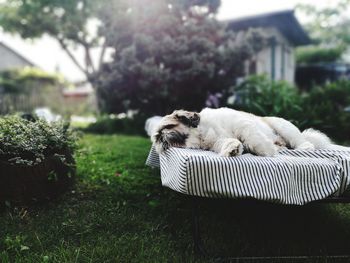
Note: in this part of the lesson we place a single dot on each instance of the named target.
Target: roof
(284, 21)
(16, 54)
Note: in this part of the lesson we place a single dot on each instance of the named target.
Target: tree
(67, 21)
(330, 24)
(329, 27)
(169, 54)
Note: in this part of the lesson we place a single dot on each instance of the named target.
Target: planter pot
(24, 183)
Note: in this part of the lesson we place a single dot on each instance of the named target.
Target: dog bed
(291, 177)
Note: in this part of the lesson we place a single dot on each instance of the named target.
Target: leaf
(153, 203)
(24, 248)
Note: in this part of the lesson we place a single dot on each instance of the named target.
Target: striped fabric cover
(291, 177)
(341, 157)
(153, 158)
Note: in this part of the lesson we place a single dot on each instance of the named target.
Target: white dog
(228, 132)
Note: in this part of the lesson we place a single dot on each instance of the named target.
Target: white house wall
(263, 58)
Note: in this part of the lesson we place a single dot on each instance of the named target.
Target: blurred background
(109, 65)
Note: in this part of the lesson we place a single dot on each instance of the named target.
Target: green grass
(119, 212)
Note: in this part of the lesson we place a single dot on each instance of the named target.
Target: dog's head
(174, 129)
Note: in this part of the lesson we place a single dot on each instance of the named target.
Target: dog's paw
(232, 147)
(267, 149)
(306, 146)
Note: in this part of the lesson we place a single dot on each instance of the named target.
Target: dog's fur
(229, 132)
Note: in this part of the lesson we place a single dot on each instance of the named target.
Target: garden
(119, 212)
(83, 193)
(107, 206)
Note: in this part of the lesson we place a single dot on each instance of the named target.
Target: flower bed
(36, 159)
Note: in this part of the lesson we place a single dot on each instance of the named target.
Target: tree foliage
(329, 25)
(76, 23)
(329, 28)
(169, 54)
(67, 21)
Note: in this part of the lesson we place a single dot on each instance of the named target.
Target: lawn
(118, 212)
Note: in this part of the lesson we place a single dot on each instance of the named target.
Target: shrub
(29, 143)
(324, 109)
(316, 54)
(36, 159)
(261, 96)
(110, 124)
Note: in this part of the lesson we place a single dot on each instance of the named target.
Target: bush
(29, 143)
(315, 54)
(110, 124)
(36, 159)
(261, 96)
(324, 109)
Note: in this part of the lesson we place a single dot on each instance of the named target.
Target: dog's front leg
(228, 147)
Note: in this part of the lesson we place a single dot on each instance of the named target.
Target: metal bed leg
(198, 243)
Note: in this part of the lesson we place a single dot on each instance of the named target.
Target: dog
(231, 132)
(151, 124)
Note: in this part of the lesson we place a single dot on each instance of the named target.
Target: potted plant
(36, 159)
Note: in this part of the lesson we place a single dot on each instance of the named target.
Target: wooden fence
(11, 103)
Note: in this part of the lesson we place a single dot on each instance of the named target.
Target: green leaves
(169, 58)
(25, 142)
(73, 23)
(316, 54)
(32, 19)
(15, 244)
(322, 108)
(329, 27)
(264, 97)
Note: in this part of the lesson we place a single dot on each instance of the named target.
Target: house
(41, 93)
(284, 33)
(11, 59)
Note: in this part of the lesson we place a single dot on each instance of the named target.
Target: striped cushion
(153, 159)
(341, 157)
(291, 177)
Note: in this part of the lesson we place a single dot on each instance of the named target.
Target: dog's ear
(159, 141)
(156, 137)
(190, 119)
(164, 140)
